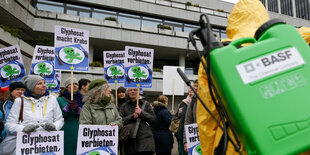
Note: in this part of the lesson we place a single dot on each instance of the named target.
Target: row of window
(121, 17)
(302, 7)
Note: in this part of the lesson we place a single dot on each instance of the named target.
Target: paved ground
(175, 147)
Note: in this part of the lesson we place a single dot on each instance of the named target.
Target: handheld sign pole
(173, 84)
(71, 85)
(138, 96)
(116, 93)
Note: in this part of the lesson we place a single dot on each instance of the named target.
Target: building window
(150, 22)
(128, 18)
(77, 10)
(176, 26)
(273, 5)
(223, 34)
(264, 2)
(216, 33)
(286, 7)
(188, 28)
(84, 14)
(72, 12)
(101, 14)
(50, 6)
(302, 9)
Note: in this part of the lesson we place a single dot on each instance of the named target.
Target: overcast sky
(232, 1)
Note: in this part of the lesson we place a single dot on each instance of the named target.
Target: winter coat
(144, 140)
(95, 114)
(181, 127)
(34, 113)
(162, 135)
(121, 102)
(190, 116)
(70, 128)
(6, 107)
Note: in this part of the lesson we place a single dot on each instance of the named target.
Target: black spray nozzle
(205, 35)
(184, 77)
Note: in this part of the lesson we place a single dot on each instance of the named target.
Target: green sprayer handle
(242, 41)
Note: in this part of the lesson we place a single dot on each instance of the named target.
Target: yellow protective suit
(305, 33)
(245, 17)
(209, 132)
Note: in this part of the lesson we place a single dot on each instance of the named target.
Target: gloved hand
(30, 128)
(73, 104)
(49, 127)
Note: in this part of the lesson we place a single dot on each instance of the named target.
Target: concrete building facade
(137, 25)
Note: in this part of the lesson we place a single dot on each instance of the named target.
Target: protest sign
(170, 74)
(113, 63)
(171, 79)
(192, 139)
(138, 67)
(71, 49)
(100, 139)
(43, 63)
(55, 85)
(11, 65)
(40, 142)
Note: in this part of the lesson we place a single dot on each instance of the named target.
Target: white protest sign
(171, 75)
(43, 53)
(43, 63)
(192, 139)
(139, 67)
(101, 139)
(71, 49)
(40, 142)
(113, 63)
(11, 65)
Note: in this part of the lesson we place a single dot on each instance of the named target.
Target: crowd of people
(27, 106)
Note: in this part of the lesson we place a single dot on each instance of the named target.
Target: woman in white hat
(40, 111)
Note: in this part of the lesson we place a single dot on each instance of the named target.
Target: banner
(40, 142)
(113, 63)
(138, 67)
(55, 85)
(192, 139)
(171, 75)
(11, 65)
(71, 49)
(43, 63)
(97, 139)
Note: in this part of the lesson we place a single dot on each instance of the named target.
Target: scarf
(104, 101)
(28, 94)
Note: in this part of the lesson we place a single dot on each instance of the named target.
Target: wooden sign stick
(71, 85)
(116, 94)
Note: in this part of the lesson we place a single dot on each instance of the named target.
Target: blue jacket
(6, 107)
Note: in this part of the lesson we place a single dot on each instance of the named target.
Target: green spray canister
(265, 89)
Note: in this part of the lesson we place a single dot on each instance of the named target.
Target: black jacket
(162, 135)
(144, 140)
